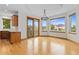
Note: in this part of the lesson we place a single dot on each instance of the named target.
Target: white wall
(1, 23)
(22, 25)
(73, 37)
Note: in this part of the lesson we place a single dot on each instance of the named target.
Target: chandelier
(44, 16)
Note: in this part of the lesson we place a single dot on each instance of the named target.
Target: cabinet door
(5, 35)
(15, 37)
(0, 34)
(15, 20)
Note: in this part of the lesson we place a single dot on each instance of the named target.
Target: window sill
(5, 29)
(44, 31)
(57, 31)
(72, 32)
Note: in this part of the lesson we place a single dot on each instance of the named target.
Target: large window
(44, 25)
(57, 24)
(6, 23)
(73, 23)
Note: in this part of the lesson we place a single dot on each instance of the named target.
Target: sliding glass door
(32, 27)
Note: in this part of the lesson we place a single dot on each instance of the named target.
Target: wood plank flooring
(40, 46)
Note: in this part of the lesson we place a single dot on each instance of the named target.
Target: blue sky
(30, 22)
(35, 23)
(73, 20)
(60, 21)
(57, 21)
(43, 23)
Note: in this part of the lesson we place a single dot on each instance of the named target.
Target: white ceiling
(51, 9)
(37, 9)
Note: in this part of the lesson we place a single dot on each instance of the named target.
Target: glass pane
(44, 23)
(35, 27)
(30, 28)
(57, 24)
(73, 23)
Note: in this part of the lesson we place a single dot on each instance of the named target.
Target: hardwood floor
(39, 46)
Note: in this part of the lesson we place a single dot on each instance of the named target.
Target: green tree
(6, 23)
(73, 28)
(52, 27)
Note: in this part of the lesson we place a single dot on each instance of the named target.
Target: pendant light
(44, 16)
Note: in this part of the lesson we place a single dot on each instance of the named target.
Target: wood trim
(32, 17)
(28, 17)
(33, 27)
(39, 27)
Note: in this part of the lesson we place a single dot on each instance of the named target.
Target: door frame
(29, 17)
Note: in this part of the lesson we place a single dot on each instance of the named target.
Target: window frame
(70, 28)
(3, 25)
(46, 26)
(59, 31)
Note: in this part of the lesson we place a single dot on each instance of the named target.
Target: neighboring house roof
(60, 25)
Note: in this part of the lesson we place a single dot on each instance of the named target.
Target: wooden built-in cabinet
(0, 34)
(4, 34)
(15, 20)
(12, 37)
(15, 37)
